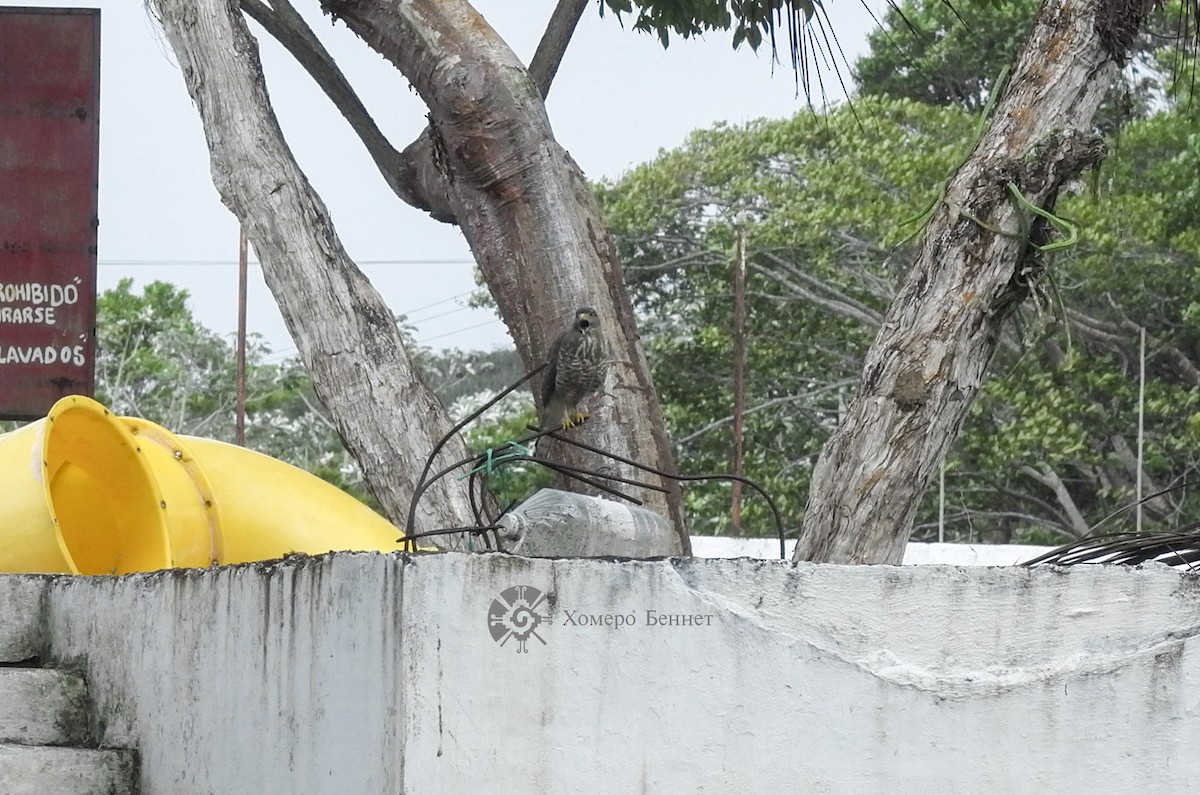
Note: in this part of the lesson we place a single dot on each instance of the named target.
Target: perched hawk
(575, 369)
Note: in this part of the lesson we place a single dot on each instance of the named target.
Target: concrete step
(42, 710)
(43, 770)
(40, 706)
(21, 632)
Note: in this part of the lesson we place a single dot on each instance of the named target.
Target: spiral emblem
(516, 615)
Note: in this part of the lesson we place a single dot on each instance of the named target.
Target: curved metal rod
(410, 545)
(422, 484)
(713, 476)
(477, 476)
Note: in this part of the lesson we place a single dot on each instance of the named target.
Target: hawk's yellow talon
(573, 420)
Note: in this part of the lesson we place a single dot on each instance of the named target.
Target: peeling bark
(344, 331)
(978, 261)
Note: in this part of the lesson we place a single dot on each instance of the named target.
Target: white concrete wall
(377, 674)
(915, 553)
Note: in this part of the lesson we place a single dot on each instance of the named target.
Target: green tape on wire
(490, 460)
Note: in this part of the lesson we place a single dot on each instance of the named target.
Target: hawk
(575, 369)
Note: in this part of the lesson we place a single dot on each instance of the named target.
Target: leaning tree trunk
(978, 261)
(527, 213)
(344, 331)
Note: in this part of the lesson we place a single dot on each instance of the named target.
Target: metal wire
(422, 483)
(1181, 485)
(483, 463)
(410, 545)
(686, 478)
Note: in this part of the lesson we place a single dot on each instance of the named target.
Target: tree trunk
(346, 335)
(527, 213)
(979, 259)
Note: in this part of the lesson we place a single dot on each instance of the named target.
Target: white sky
(617, 100)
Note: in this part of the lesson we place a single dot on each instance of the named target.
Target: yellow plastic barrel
(88, 492)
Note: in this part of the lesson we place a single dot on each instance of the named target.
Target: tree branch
(968, 514)
(287, 27)
(1024, 496)
(1159, 504)
(411, 174)
(1050, 479)
(701, 257)
(1119, 336)
(316, 411)
(1185, 365)
(838, 294)
(549, 54)
(766, 404)
(840, 303)
(532, 222)
(928, 362)
(346, 336)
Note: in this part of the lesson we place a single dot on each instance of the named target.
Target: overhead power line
(286, 352)
(139, 263)
(418, 321)
(458, 331)
(408, 312)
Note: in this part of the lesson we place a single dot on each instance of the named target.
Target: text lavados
(49, 354)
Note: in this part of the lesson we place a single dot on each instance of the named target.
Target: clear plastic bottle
(562, 524)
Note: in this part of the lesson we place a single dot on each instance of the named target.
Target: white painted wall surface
(915, 553)
(375, 674)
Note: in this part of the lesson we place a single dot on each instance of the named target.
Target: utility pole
(739, 375)
(1141, 433)
(240, 415)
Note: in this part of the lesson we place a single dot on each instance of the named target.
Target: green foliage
(941, 53)
(819, 200)
(802, 27)
(750, 20)
(155, 361)
(936, 53)
(1137, 266)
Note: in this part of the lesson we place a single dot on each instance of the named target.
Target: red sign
(49, 164)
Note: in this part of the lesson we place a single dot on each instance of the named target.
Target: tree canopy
(988, 242)
(941, 53)
(818, 198)
(1050, 446)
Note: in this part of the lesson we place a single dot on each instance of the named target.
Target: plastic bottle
(557, 524)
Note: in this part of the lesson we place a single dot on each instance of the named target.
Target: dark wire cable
(422, 484)
(484, 464)
(686, 478)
